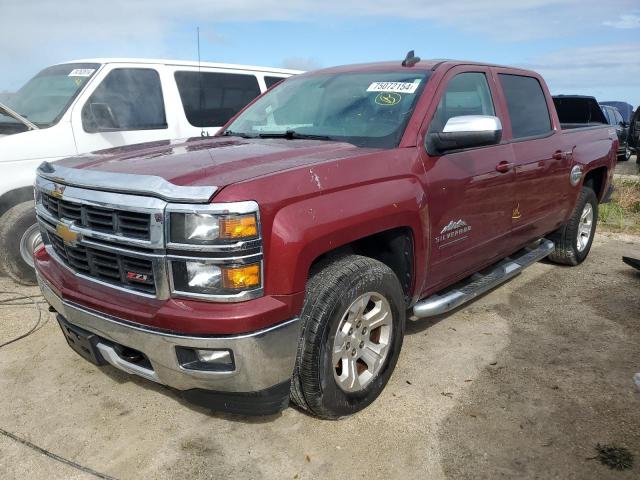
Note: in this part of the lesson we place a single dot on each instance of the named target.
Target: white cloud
(301, 63)
(625, 21)
(596, 70)
(35, 33)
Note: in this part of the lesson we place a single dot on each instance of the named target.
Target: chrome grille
(106, 220)
(114, 268)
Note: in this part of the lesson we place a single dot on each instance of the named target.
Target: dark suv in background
(615, 119)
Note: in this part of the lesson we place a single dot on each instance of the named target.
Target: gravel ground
(522, 383)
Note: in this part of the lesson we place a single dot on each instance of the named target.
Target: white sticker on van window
(397, 87)
(81, 72)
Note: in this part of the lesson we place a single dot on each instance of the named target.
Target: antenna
(200, 90)
(410, 60)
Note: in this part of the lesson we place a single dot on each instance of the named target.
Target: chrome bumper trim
(262, 359)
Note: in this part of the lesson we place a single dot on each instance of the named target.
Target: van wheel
(19, 237)
(573, 240)
(353, 324)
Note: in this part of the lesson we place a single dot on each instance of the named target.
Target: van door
(211, 98)
(126, 107)
(470, 198)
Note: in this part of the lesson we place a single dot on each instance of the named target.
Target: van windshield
(366, 109)
(45, 98)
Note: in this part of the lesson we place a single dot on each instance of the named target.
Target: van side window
(466, 94)
(527, 105)
(271, 81)
(127, 99)
(211, 99)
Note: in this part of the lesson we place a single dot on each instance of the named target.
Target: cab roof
(422, 65)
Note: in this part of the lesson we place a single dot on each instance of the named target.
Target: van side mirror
(466, 131)
(102, 117)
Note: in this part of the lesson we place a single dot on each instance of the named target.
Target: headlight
(201, 277)
(208, 228)
(215, 251)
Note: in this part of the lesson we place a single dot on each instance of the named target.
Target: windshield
(46, 96)
(366, 109)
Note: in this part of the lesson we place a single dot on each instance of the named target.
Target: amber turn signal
(244, 277)
(232, 228)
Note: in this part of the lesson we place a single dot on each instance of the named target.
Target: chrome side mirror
(466, 131)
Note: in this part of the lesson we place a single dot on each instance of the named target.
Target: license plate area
(84, 343)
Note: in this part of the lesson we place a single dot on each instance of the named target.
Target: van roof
(186, 63)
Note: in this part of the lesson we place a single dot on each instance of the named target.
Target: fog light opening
(205, 359)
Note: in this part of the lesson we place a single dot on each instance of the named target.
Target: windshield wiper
(18, 117)
(293, 135)
(229, 133)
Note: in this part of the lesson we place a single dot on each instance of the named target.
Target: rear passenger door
(541, 166)
(210, 98)
(469, 199)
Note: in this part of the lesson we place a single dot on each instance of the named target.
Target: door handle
(504, 166)
(559, 155)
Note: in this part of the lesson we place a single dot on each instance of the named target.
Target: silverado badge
(455, 230)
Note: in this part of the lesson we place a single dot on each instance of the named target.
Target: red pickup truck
(282, 258)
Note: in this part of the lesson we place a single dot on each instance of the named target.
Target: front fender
(304, 230)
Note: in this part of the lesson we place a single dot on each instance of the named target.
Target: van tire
(16, 228)
(331, 290)
(565, 239)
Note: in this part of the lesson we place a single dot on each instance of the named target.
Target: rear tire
(19, 235)
(337, 374)
(625, 156)
(573, 240)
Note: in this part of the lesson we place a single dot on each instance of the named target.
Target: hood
(215, 162)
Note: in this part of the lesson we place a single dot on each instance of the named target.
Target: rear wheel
(19, 237)
(353, 327)
(573, 240)
(626, 155)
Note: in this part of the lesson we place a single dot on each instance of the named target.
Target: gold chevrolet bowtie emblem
(516, 213)
(66, 234)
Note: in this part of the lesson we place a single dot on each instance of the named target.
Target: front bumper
(263, 360)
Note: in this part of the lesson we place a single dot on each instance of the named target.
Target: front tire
(19, 237)
(573, 240)
(353, 327)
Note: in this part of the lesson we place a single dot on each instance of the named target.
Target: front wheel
(573, 240)
(353, 327)
(19, 238)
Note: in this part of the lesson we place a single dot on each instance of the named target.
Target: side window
(466, 94)
(127, 99)
(618, 118)
(527, 105)
(605, 110)
(211, 99)
(271, 81)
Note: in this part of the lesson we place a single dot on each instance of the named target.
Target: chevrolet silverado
(282, 258)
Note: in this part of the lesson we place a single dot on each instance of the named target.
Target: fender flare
(303, 231)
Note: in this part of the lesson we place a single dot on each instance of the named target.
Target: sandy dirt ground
(522, 383)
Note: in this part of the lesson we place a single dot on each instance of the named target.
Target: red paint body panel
(316, 196)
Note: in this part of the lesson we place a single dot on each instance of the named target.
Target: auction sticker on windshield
(396, 87)
(81, 72)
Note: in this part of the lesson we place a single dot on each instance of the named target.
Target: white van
(89, 105)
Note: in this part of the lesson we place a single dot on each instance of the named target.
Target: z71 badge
(454, 231)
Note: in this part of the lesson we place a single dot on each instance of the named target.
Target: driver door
(126, 107)
(470, 191)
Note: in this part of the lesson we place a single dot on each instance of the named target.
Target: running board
(481, 282)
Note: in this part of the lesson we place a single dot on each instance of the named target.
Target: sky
(580, 46)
